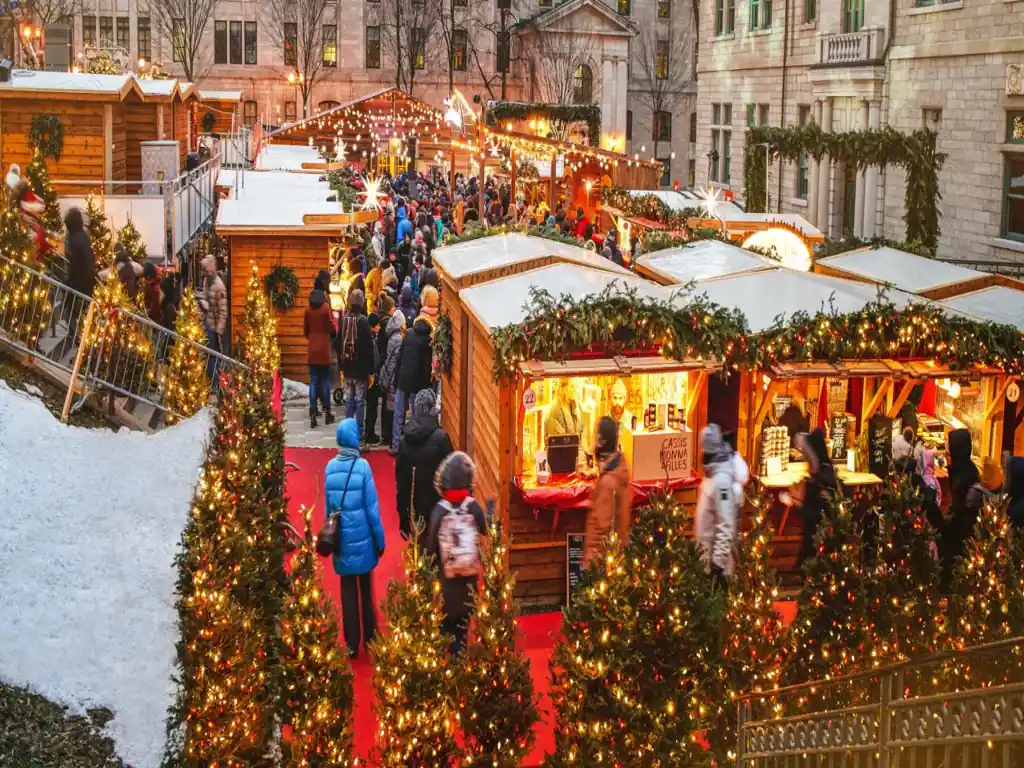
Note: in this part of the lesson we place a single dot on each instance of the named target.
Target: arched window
(326, 105)
(583, 85)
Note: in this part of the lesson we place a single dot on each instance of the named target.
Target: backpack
(348, 333)
(457, 541)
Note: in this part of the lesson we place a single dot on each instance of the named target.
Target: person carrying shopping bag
(358, 536)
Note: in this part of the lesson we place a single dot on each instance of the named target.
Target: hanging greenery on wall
(47, 135)
(648, 207)
(913, 152)
(475, 230)
(500, 112)
(442, 351)
(282, 285)
(851, 243)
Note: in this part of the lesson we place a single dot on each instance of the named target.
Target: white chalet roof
(497, 251)
(205, 95)
(997, 304)
(906, 271)
(286, 157)
(285, 187)
(685, 199)
(703, 260)
(152, 87)
(499, 303)
(269, 214)
(41, 80)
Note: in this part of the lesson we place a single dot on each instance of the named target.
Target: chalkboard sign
(879, 444)
(573, 564)
(838, 426)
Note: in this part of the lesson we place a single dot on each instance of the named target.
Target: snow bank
(89, 525)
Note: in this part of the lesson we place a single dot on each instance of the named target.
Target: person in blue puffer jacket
(351, 493)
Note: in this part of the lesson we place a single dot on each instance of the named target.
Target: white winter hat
(14, 176)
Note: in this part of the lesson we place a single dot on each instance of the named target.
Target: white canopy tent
(701, 260)
(902, 270)
(997, 304)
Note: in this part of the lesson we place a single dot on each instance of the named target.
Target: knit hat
(607, 436)
(429, 297)
(425, 403)
(356, 300)
(455, 473)
(713, 447)
(373, 320)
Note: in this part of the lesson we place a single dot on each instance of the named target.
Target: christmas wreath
(282, 285)
(441, 361)
(47, 135)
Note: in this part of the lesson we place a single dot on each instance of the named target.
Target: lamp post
(768, 148)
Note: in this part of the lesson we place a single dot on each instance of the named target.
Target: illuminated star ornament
(709, 200)
(372, 195)
(452, 115)
(339, 151)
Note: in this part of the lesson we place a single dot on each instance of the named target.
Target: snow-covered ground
(89, 525)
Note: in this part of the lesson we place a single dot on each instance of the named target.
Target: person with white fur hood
(718, 505)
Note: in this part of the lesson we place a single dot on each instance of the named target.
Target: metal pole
(767, 167)
(65, 412)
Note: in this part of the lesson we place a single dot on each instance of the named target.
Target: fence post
(883, 721)
(86, 327)
(741, 720)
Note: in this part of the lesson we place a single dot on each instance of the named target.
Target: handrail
(924, 661)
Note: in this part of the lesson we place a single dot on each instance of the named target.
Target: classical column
(825, 171)
(621, 93)
(607, 94)
(812, 182)
(871, 179)
(858, 209)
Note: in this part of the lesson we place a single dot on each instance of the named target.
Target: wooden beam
(160, 121)
(695, 396)
(762, 409)
(997, 401)
(876, 401)
(513, 161)
(108, 144)
(551, 200)
(901, 398)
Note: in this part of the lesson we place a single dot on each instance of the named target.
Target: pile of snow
(91, 521)
(294, 390)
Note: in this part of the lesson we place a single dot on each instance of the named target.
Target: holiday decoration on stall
(186, 388)
(131, 239)
(282, 286)
(46, 135)
(414, 682)
(101, 64)
(99, 233)
(496, 699)
(316, 692)
(499, 113)
(39, 180)
(648, 206)
(753, 637)
(25, 305)
(259, 333)
(123, 351)
(442, 350)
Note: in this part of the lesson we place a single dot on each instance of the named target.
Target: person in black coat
(424, 446)
(966, 497)
(819, 487)
(413, 373)
(358, 364)
(81, 273)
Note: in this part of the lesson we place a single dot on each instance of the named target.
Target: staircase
(125, 373)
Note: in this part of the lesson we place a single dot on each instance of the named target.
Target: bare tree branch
(183, 24)
(556, 58)
(409, 38)
(662, 74)
(296, 27)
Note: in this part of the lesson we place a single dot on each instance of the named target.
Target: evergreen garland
(282, 285)
(476, 230)
(46, 134)
(443, 351)
(38, 178)
(913, 152)
(648, 207)
(500, 112)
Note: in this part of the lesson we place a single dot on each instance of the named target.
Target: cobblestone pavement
(297, 433)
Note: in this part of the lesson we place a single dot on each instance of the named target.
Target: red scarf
(456, 496)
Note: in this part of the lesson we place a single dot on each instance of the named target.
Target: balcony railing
(851, 47)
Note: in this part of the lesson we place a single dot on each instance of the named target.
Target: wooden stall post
(483, 179)
(451, 174)
(992, 425)
(108, 145)
(872, 407)
(551, 192)
(901, 398)
(512, 178)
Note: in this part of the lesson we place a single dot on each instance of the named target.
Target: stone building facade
(854, 64)
(245, 54)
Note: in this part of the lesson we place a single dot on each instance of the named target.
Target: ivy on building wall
(914, 152)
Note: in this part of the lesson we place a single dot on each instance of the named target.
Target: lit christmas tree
(25, 305)
(99, 233)
(259, 333)
(131, 239)
(497, 700)
(316, 677)
(38, 178)
(830, 635)
(753, 641)
(906, 620)
(186, 388)
(417, 710)
(125, 352)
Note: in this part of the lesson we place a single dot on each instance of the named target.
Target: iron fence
(114, 351)
(1008, 268)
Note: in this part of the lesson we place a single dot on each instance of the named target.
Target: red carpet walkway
(304, 485)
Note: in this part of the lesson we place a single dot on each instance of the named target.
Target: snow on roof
(287, 157)
(734, 215)
(272, 214)
(684, 199)
(703, 260)
(763, 296)
(276, 186)
(205, 95)
(497, 251)
(998, 304)
(906, 271)
(157, 87)
(499, 303)
(40, 80)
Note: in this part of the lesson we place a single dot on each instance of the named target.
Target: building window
(249, 113)
(544, 3)
(666, 171)
(629, 125)
(291, 42)
(853, 15)
(178, 39)
(931, 118)
(583, 85)
(327, 106)
(460, 49)
(751, 111)
(931, 3)
(661, 61)
(804, 112)
(757, 114)
(691, 173)
(693, 127)
(461, 3)
(329, 34)
(720, 157)
(235, 42)
(762, 114)
(760, 14)
(145, 41)
(623, 7)
(106, 31)
(664, 9)
(220, 42)
(89, 30)
(810, 11)
(250, 42)
(661, 126)
(714, 156)
(1013, 197)
(725, 17)
(289, 112)
(373, 47)
(419, 47)
(124, 33)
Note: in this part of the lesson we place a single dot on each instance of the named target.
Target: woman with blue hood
(351, 494)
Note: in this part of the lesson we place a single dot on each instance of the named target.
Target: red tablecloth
(573, 491)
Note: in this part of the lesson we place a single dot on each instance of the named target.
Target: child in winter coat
(407, 306)
(395, 331)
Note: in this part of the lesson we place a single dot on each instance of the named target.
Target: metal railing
(960, 708)
(193, 202)
(1008, 268)
(851, 47)
(118, 352)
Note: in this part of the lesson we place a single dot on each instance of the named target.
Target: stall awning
(740, 223)
(277, 186)
(997, 304)
(906, 271)
(702, 260)
(287, 157)
(239, 217)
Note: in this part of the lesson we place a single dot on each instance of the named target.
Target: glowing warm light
(142, 62)
(291, 77)
(790, 249)
(372, 194)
